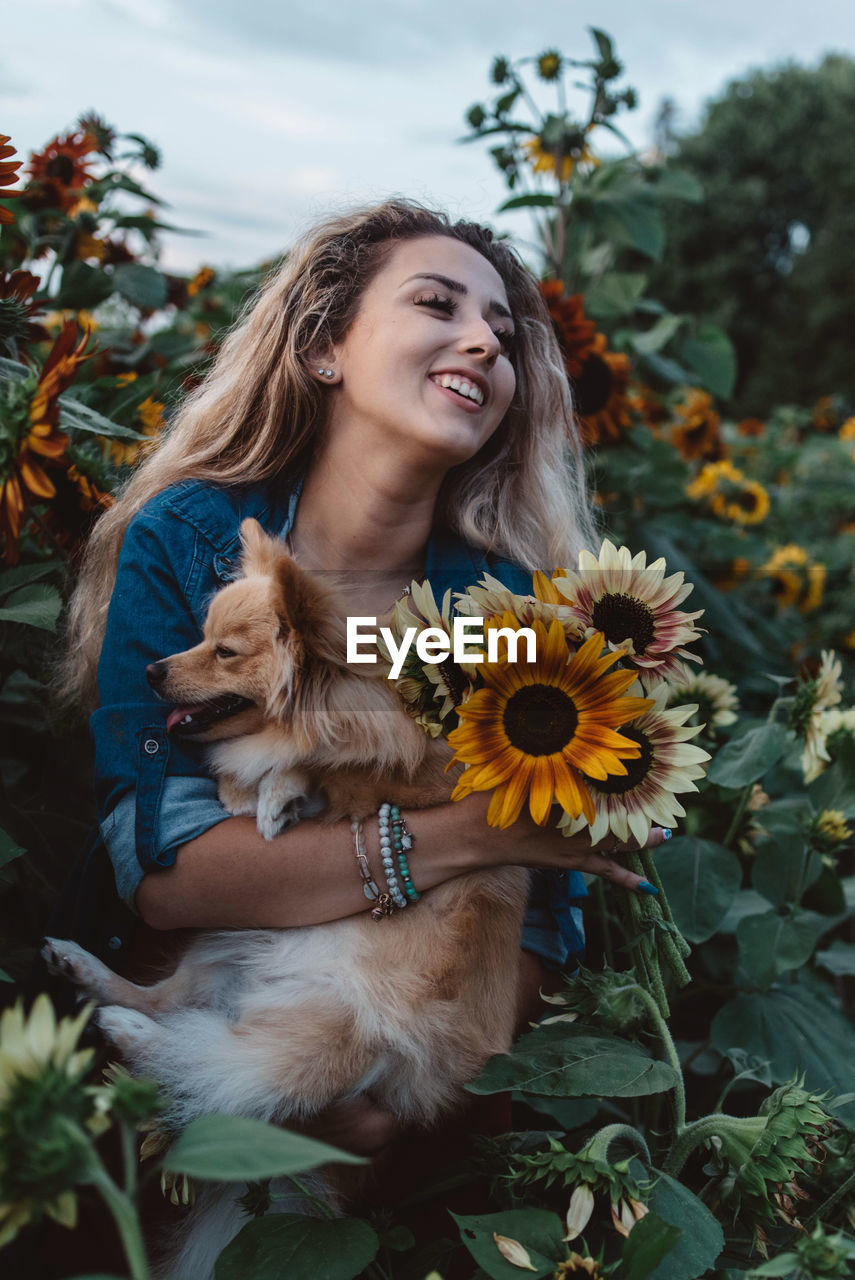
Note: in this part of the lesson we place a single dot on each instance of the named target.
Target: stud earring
(326, 373)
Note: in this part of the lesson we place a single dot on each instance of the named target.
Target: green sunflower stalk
(586, 725)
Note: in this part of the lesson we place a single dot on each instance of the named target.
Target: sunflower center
(540, 719)
(619, 616)
(747, 499)
(636, 770)
(593, 387)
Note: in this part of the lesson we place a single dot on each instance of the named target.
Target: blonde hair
(259, 411)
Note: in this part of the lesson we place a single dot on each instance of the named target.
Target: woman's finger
(601, 860)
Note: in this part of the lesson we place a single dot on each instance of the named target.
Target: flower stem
(125, 1216)
(670, 1050)
(822, 1212)
(738, 816)
(598, 1146)
(700, 1131)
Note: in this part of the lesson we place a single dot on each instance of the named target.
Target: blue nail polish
(646, 887)
(667, 833)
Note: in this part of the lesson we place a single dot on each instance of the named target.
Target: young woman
(394, 403)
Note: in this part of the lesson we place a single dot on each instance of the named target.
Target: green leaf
(655, 338)
(712, 356)
(142, 286)
(23, 574)
(237, 1149)
(572, 1062)
(615, 295)
(702, 1239)
(783, 868)
(83, 286)
(771, 944)
(9, 850)
(794, 1031)
(299, 1248)
(539, 1232)
(701, 879)
(5, 977)
(839, 959)
(678, 184)
(75, 416)
(632, 220)
(745, 759)
(835, 788)
(35, 606)
(785, 1264)
(604, 43)
(533, 201)
(648, 1243)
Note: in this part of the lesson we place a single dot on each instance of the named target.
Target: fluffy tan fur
(280, 1024)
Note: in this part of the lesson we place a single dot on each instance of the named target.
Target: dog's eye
(222, 651)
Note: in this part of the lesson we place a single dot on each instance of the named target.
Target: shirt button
(115, 944)
(151, 746)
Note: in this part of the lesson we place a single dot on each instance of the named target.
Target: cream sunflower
(491, 597)
(42, 1097)
(813, 698)
(667, 764)
(634, 605)
(535, 729)
(429, 691)
(716, 698)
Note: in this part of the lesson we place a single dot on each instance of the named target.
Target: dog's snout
(156, 673)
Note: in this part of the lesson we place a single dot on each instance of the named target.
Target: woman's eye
(222, 651)
(436, 301)
(507, 339)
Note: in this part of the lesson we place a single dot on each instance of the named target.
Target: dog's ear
(307, 613)
(260, 551)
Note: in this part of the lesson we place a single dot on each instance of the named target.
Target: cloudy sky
(271, 112)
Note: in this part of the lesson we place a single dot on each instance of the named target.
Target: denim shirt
(154, 793)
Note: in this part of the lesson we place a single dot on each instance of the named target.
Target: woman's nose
(479, 339)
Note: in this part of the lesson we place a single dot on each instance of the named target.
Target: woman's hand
(526, 844)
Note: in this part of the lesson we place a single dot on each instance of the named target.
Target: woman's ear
(322, 365)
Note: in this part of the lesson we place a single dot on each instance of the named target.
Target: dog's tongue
(179, 715)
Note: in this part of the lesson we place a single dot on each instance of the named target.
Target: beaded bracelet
(384, 905)
(402, 842)
(387, 853)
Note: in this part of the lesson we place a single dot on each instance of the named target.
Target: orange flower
(17, 310)
(37, 437)
(697, 433)
(200, 281)
(574, 331)
(601, 396)
(8, 175)
(60, 172)
(751, 427)
(649, 405)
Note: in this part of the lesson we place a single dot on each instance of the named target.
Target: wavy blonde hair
(259, 411)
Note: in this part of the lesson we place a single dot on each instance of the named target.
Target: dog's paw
(127, 1029)
(67, 960)
(275, 815)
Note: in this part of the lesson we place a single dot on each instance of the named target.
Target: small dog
(279, 1024)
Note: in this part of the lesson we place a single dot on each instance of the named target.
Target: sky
(271, 113)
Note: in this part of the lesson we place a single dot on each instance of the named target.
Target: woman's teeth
(461, 386)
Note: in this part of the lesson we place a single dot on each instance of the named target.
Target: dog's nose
(156, 673)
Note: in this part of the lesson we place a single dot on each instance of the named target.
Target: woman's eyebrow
(457, 287)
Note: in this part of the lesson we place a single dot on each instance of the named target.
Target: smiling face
(425, 369)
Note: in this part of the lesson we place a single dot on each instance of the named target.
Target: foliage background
(721, 434)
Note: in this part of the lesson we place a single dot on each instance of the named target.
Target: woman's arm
(231, 877)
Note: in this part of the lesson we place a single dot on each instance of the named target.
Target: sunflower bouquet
(585, 723)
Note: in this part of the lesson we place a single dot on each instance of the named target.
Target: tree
(769, 254)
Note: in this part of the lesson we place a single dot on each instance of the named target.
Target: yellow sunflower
(600, 395)
(491, 597)
(430, 691)
(729, 494)
(560, 160)
(535, 729)
(813, 698)
(795, 578)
